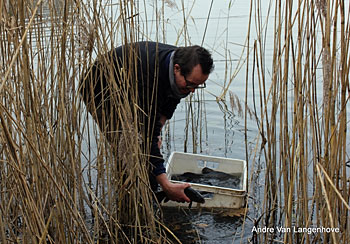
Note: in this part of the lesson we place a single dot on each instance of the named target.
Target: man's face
(191, 81)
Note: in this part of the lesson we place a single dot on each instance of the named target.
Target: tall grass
(53, 187)
(302, 109)
(60, 178)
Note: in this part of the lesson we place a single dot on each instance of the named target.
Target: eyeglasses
(190, 85)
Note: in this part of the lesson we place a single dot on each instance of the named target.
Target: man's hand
(162, 120)
(174, 191)
(159, 142)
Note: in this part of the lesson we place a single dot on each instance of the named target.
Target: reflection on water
(222, 134)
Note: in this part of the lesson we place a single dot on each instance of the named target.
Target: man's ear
(176, 68)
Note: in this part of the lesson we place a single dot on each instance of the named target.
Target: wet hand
(174, 191)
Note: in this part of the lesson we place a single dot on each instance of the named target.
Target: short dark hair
(188, 57)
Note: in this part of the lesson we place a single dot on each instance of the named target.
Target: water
(193, 226)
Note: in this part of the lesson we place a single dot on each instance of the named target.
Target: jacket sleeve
(156, 158)
(167, 107)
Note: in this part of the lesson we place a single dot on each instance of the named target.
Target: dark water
(194, 226)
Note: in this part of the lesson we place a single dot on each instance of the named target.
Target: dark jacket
(153, 91)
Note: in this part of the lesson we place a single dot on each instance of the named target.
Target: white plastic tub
(219, 197)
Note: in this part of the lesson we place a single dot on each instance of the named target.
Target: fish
(222, 179)
(192, 194)
(187, 177)
(210, 177)
(208, 172)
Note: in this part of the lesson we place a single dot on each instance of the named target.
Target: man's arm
(174, 192)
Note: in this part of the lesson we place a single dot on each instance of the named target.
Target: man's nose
(192, 90)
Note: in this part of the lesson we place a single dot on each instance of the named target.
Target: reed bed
(53, 187)
(60, 180)
(301, 102)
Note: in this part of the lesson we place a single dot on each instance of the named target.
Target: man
(161, 75)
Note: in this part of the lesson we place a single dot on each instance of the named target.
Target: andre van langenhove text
(294, 229)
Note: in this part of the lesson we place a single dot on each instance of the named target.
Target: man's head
(192, 66)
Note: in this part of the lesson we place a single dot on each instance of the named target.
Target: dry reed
(303, 131)
(53, 188)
